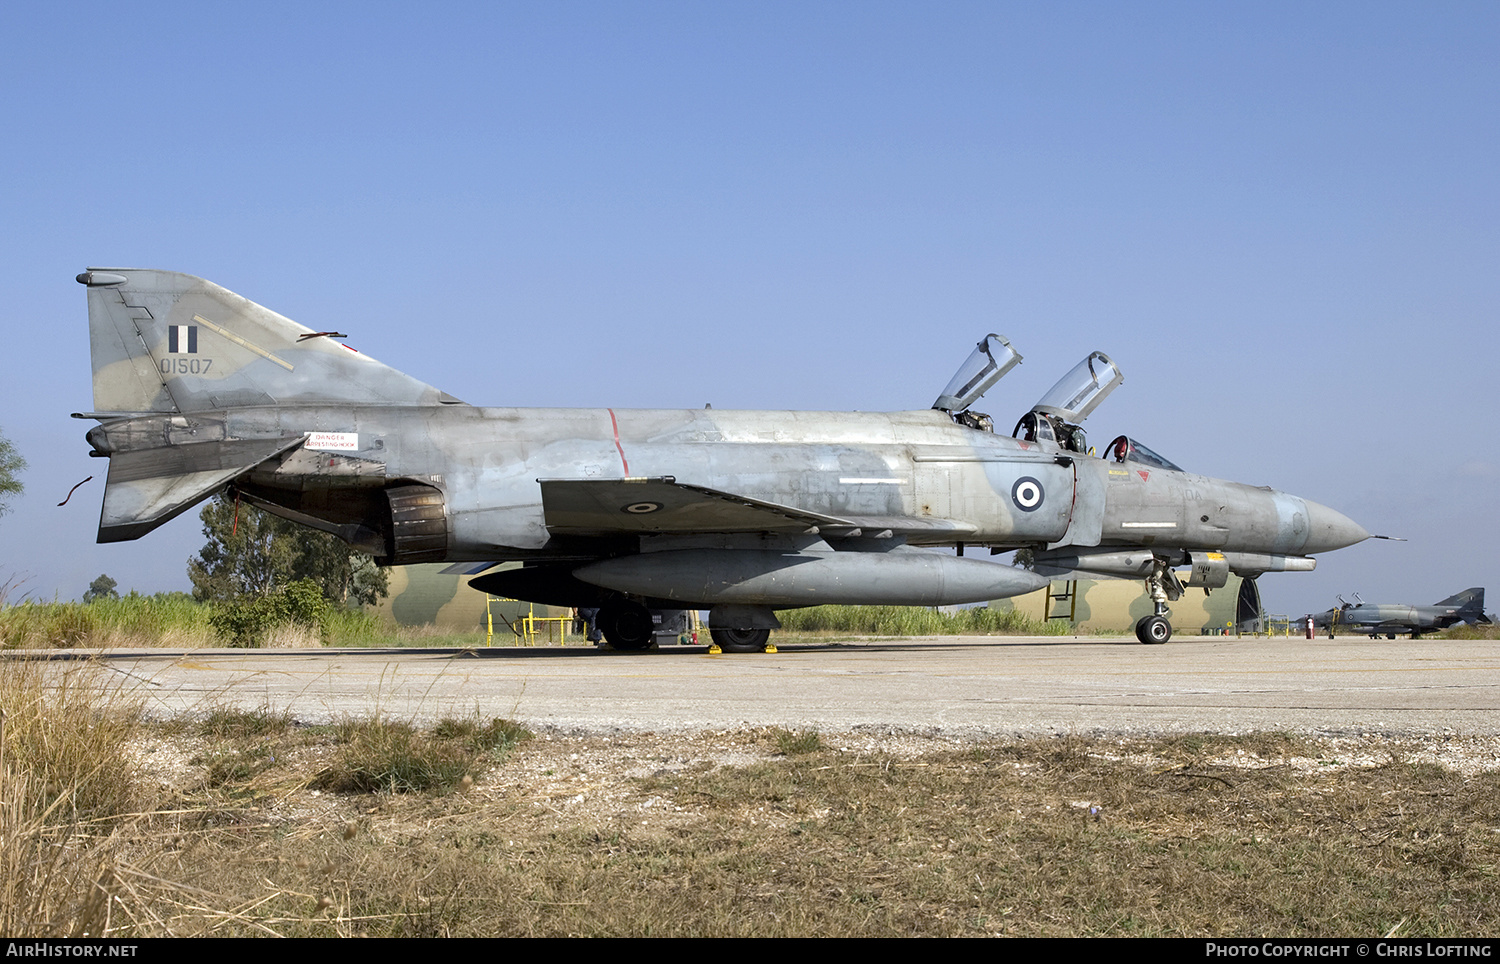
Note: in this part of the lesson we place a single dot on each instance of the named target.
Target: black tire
(628, 628)
(741, 640)
(1153, 630)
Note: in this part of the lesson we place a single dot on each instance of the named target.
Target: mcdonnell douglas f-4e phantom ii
(199, 391)
(1392, 618)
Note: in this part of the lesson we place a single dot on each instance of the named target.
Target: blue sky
(1280, 219)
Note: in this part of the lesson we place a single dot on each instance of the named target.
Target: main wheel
(626, 627)
(1153, 630)
(741, 640)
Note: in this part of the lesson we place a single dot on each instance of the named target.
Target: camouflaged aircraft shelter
(425, 595)
(1114, 605)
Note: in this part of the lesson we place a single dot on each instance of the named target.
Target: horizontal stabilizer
(149, 487)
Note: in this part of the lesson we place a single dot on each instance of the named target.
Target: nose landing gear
(1163, 585)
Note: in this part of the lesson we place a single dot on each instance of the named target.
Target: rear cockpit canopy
(985, 366)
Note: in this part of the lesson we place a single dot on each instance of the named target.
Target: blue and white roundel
(1027, 494)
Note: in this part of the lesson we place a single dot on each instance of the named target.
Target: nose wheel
(1153, 630)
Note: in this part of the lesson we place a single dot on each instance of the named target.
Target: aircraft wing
(599, 507)
(604, 507)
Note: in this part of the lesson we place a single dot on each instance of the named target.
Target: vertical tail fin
(1470, 600)
(168, 342)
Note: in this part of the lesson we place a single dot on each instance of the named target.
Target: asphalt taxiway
(951, 685)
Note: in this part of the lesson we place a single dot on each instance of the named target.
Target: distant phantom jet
(1390, 619)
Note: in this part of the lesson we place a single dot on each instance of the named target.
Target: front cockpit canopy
(1081, 390)
(986, 365)
(1127, 449)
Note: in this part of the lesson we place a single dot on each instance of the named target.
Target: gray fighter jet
(197, 391)
(1390, 619)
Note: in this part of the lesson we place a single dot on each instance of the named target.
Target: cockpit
(1037, 426)
(1054, 421)
(1127, 449)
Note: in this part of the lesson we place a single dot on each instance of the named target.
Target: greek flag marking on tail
(182, 339)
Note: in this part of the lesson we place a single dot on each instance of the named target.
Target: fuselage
(938, 482)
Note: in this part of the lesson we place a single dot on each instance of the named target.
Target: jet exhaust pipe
(900, 577)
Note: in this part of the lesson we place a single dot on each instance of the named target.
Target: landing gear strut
(1163, 585)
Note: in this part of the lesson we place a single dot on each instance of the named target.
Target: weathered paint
(197, 389)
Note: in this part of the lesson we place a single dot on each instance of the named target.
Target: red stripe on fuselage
(618, 447)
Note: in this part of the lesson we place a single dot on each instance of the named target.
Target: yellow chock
(770, 646)
(714, 650)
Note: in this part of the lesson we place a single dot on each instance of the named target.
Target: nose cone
(1329, 529)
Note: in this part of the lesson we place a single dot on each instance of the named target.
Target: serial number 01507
(186, 366)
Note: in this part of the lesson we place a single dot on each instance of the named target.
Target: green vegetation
(248, 622)
(175, 620)
(101, 588)
(252, 555)
(11, 466)
(300, 615)
(796, 742)
(395, 757)
(1465, 631)
(918, 621)
(132, 620)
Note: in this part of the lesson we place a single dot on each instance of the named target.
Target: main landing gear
(627, 626)
(1162, 585)
(741, 640)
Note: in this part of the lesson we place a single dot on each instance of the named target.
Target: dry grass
(67, 797)
(917, 621)
(246, 823)
(1048, 837)
(1465, 631)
